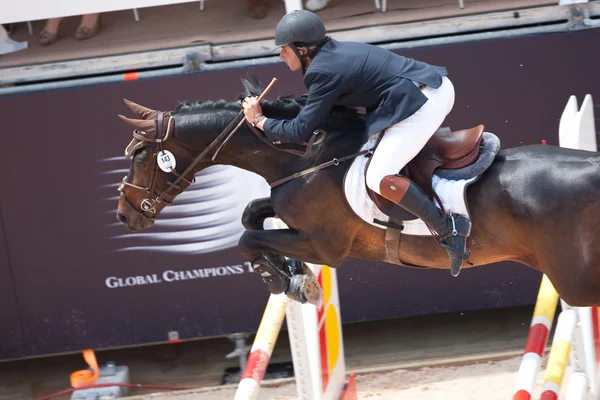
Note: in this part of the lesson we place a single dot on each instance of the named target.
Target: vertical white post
(577, 127)
(577, 389)
(586, 333)
(292, 5)
(304, 342)
(577, 131)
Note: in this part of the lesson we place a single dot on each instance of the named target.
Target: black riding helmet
(300, 27)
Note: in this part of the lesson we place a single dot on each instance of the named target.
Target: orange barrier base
(350, 389)
(85, 377)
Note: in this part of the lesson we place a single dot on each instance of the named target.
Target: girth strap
(392, 245)
(393, 238)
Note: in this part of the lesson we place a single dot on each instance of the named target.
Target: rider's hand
(252, 108)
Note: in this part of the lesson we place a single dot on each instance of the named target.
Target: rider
(406, 99)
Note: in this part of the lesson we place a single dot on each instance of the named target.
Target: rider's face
(289, 57)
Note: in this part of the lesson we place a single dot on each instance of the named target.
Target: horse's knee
(248, 217)
(248, 245)
(256, 212)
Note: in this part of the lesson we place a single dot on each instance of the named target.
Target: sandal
(47, 37)
(83, 32)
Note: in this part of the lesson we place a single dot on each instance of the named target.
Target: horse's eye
(140, 164)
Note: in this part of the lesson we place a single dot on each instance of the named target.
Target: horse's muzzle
(121, 218)
(134, 221)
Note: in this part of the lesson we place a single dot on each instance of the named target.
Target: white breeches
(401, 142)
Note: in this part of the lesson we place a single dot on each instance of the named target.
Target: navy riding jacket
(358, 75)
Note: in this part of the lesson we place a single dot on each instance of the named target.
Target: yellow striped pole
(559, 354)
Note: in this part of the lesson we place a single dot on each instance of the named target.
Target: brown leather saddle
(445, 150)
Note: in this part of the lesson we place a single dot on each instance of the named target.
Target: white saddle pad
(452, 194)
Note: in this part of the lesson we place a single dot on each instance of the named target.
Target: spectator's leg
(49, 34)
(257, 8)
(89, 26)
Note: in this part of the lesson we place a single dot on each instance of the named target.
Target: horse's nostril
(121, 218)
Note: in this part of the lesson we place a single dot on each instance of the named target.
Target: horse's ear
(251, 86)
(143, 125)
(140, 111)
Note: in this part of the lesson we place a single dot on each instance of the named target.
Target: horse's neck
(243, 150)
(246, 151)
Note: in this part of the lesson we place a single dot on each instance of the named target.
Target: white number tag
(166, 160)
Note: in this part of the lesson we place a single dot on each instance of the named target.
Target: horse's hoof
(268, 267)
(305, 289)
(294, 267)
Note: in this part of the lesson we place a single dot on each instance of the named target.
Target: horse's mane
(340, 118)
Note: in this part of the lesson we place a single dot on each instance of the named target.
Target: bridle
(148, 205)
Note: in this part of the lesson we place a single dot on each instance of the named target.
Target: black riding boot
(453, 229)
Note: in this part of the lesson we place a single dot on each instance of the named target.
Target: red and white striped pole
(262, 348)
(543, 315)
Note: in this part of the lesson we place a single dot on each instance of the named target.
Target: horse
(537, 205)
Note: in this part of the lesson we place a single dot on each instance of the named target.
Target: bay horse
(535, 205)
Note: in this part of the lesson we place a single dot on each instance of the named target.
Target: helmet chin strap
(311, 53)
(300, 57)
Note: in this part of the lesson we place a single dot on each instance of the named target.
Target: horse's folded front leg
(267, 251)
(256, 212)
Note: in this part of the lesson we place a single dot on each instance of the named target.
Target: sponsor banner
(83, 281)
(170, 276)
